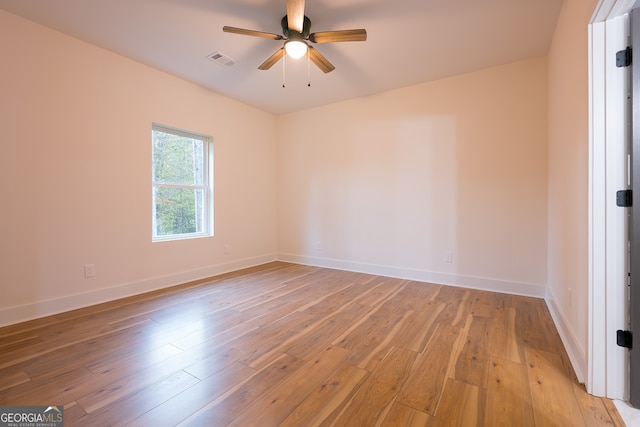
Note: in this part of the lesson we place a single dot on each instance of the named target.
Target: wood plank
(502, 342)
(375, 354)
(531, 326)
(413, 296)
(327, 331)
(208, 403)
(458, 346)
(614, 415)
(376, 396)
(370, 341)
(210, 343)
(126, 385)
(552, 396)
(515, 350)
(281, 293)
(294, 291)
(403, 416)
(72, 413)
(472, 365)
(276, 404)
(18, 341)
(63, 388)
(329, 301)
(275, 336)
(457, 306)
(508, 395)
(461, 405)
(445, 294)
(12, 379)
(213, 363)
(137, 403)
(358, 324)
(328, 400)
(382, 289)
(88, 350)
(423, 389)
(595, 411)
(115, 359)
(213, 325)
(419, 327)
(463, 308)
(485, 303)
(40, 349)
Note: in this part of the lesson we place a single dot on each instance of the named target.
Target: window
(182, 184)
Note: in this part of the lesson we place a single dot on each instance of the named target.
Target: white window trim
(207, 170)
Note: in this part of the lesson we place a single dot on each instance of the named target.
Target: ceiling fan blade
(277, 56)
(318, 59)
(244, 32)
(295, 15)
(339, 36)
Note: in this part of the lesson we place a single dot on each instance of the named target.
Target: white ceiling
(409, 41)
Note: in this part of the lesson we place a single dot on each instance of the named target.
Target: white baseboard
(576, 353)
(481, 283)
(12, 315)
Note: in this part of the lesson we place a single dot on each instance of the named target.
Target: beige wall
(390, 183)
(75, 168)
(568, 176)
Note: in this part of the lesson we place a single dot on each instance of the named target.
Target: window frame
(206, 186)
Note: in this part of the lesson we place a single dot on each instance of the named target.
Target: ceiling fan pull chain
(308, 69)
(284, 60)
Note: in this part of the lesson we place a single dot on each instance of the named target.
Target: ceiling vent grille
(221, 59)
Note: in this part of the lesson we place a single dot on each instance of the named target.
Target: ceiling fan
(295, 32)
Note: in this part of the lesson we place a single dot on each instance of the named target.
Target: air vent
(221, 59)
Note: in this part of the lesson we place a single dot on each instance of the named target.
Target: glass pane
(177, 159)
(178, 211)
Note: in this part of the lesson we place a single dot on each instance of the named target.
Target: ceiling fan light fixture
(295, 48)
(296, 33)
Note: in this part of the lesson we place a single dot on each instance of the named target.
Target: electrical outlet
(89, 270)
(448, 257)
(227, 249)
(319, 245)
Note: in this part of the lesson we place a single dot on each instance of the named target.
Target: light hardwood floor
(290, 345)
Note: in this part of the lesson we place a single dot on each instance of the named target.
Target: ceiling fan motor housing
(292, 34)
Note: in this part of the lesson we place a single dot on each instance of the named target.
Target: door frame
(607, 365)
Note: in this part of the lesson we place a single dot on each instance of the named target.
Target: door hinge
(623, 57)
(624, 198)
(624, 339)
